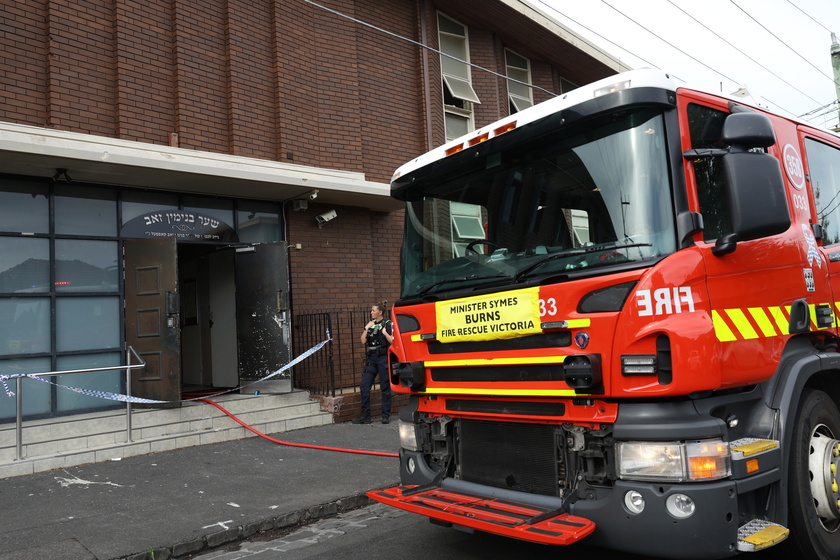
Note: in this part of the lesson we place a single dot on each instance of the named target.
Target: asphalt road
(379, 531)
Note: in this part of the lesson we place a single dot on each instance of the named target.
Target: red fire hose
(291, 444)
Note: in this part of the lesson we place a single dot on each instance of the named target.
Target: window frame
(457, 87)
(517, 101)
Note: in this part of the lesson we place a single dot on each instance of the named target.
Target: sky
(779, 50)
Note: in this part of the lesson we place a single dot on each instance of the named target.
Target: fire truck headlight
(674, 461)
(408, 437)
(651, 461)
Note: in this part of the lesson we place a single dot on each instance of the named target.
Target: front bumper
(599, 515)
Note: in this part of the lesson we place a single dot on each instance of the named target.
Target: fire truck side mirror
(753, 181)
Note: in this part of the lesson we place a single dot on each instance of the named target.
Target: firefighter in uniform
(376, 338)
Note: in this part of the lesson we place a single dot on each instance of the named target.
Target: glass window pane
(110, 381)
(461, 89)
(86, 266)
(137, 203)
(824, 166)
(85, 211)
(520, 104)
(447, 25)
(259, 222)
(456, 126)
(467, 227)
(24, 206)
(24, 265)
(84, 323)
(24, 325)
(218, 208)
(705, 125)
(455, 63)
(35, 394)
(514, 60)
(520, 90)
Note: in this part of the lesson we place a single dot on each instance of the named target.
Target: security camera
(325, 217)
(313, 194)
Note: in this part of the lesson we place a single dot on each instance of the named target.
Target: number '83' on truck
(618, 324)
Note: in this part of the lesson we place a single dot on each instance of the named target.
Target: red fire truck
(618, 322)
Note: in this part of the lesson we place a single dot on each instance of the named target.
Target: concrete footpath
(176, 503)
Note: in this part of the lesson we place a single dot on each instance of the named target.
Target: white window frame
(460, 239)
(521, 74)
(459, 86)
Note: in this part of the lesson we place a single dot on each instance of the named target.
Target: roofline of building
(543, 19)
(36, 151)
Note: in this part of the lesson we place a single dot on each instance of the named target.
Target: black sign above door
(183, 225)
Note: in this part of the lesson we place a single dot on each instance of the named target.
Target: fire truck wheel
(814, 504)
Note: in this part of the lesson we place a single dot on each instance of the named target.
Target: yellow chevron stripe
(759, 315)
(742, 324)
(781, 320)
(724, 333)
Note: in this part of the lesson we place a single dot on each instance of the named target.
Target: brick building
(222, 166)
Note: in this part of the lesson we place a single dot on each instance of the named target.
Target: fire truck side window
(705, 126)
(824, 169)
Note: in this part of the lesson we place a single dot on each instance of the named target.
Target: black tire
(814, 515)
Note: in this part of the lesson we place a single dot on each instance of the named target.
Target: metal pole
(128, 404)
(19, 419)
(330, 353)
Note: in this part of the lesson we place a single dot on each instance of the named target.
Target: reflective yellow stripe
(760, 317)
(781, 320)
(578, 323)
(416, 338)
(742, 324)
(497, 361)
(722, 330)
(503, 392)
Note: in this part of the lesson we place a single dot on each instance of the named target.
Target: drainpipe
(427, 88)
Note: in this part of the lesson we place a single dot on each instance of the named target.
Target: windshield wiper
(426, 290)
(572, 253)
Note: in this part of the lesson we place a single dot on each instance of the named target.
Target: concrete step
(61, 442)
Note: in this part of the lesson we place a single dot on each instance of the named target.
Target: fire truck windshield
(589, 196)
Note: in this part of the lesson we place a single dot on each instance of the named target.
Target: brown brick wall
(145, 71)
(295, 45)
(350, 263)
(81, 66)
(391, 95)
(23, 62)
(278, 80)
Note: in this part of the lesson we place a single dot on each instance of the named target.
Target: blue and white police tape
(129, 399)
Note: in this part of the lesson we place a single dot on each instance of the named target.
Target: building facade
(187, 178)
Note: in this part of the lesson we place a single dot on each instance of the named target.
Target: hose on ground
(292, 444)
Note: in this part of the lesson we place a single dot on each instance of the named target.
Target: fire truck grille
(510, 455)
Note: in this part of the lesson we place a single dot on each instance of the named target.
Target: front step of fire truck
(759, 534)
(493, 515)
(747, 454)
